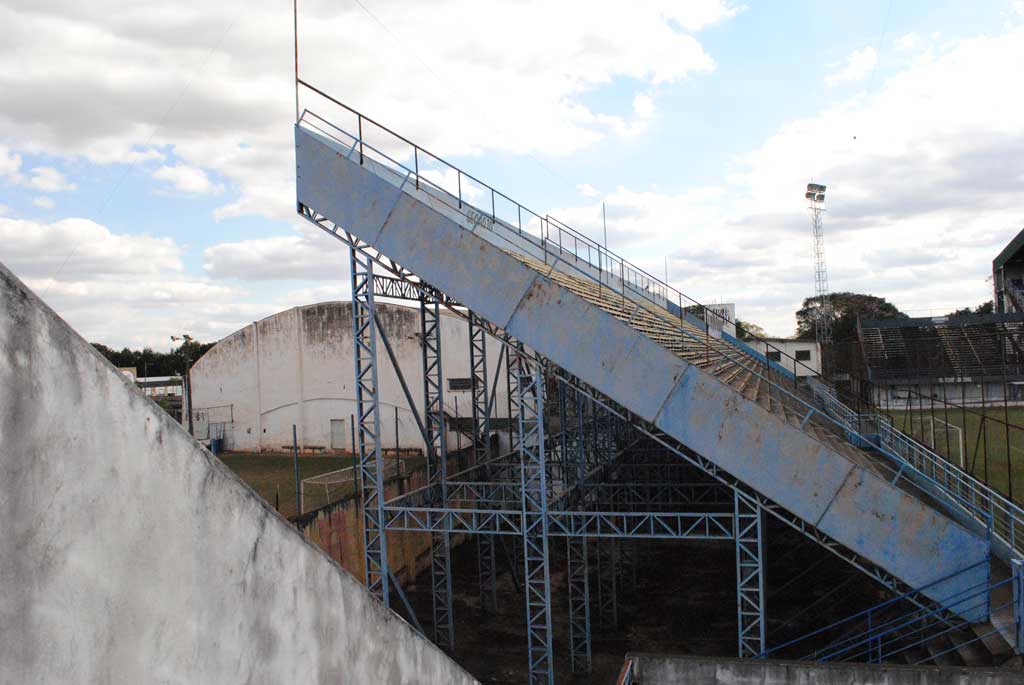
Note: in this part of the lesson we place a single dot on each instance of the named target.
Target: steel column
(371, 463)
(437, 467)
(750, 596)
(536, 576)
(1017, 581)
(579, 604)
(485, 544)
(608, 582)
(514, 358)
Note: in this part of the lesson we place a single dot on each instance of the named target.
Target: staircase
(626, 334)
(896, 632)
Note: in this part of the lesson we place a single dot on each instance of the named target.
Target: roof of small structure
(1011, 252)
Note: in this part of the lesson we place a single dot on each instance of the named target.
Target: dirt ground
(683, 602)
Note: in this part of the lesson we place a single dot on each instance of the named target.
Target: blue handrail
(639, 285)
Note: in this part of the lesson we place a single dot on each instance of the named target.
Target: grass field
(273, 477)
(946, 428)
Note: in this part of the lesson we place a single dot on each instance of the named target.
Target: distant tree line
(983, 308)
(846, 309)
(149, 362)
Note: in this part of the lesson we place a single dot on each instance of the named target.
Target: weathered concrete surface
(129, 554)
(296, 368)
(653, 669)
(842, 498)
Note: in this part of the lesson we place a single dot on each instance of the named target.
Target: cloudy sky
(147, 168)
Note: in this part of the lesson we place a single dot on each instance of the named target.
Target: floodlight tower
(823, 322)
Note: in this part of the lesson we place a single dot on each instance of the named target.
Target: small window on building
(460, 384)
(803, 355)
(774, 356)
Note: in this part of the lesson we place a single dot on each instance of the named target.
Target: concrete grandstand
(615, 372)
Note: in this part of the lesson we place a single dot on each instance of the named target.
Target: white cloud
(636, 218)
(587, 190)
(449, 180)
(909, 41)
(4, 210)
(121, 289)
(44, 178)
(10, 165)
(859, 65)
(304, 255)
(643, 105)
(43, 202)
(83, 248)
(925, 183)
(188, 179)
(49, 180)
(324, 293)
(212, 83)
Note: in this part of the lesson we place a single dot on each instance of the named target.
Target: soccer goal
(935, 431)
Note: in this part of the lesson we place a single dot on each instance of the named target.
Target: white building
(801, 356)
(296, 367)
(155, 386)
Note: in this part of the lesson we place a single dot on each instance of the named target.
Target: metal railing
(892, 627)
(431, 171)
(989, 507)
(627, 675)
(558, 244)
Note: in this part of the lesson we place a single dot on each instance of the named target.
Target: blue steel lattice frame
(485, 544)
(705, 465)
(516, 356)
(578, 579)
(750, 599)
(371, 463)
(607, 582)
(1017, 580)
(536, 573)
(437, 467)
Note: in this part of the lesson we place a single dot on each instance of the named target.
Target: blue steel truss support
(581, 432)
(437, 466)
(608, 582)
(536, 572)
(591, 524)
(750, 596)
(578, 572)
(515, 357)
(487, 562)
(637, 425)
(1017, 581)
(371, 462)
(563, 436)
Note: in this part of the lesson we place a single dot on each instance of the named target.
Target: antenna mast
(823, 322)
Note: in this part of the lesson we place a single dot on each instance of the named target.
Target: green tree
(745, 330)
(846, 308)
(983, 308)
(148, 362)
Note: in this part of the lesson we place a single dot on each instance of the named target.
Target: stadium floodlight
(815, 188)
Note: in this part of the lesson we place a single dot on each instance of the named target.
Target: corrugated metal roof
(1010, 251)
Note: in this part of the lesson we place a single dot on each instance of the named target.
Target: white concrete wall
(811, 367)
(130, 555)
(296, 367)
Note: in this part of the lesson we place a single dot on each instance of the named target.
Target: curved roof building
(296, 367)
